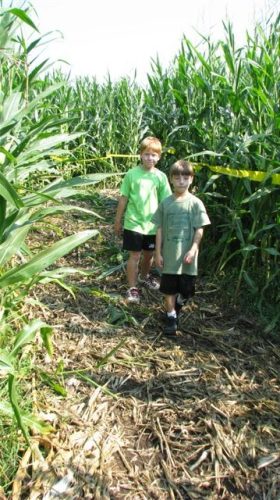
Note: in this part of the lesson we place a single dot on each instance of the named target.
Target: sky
(97, 37)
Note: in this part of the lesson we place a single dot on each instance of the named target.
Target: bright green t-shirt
(179, 218)
(145, 189)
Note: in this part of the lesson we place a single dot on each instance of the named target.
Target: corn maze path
(143, 416)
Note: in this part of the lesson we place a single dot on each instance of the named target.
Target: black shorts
(171, 284)
(135, 242)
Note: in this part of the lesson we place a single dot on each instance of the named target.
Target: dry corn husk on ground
(143, 416)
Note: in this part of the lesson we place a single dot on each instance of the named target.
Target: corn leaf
(46, 333)
(44, 259)
(9, 193)
(28, 333)
(16, 409)
(21, 14)
(13, 243)
(6, 362)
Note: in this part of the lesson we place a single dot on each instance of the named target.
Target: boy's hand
(159, 261)
(188, 259)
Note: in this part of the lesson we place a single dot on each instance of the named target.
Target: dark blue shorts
(171, 284)
(135, 242)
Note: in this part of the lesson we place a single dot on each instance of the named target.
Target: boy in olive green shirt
(179, 219)
(142, 189)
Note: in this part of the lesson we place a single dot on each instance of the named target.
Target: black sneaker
(170, 327)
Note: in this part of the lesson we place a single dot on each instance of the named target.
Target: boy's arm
(119, 214)
(189, 256)
(159, 258)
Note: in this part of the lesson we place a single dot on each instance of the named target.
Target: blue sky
(119, 36)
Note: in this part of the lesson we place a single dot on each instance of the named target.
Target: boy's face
(181, 182)
(149, 158)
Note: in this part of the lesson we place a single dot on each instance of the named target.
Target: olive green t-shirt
(145, 189)
(179, 218)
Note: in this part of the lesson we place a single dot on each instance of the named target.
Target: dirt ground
(136, 415)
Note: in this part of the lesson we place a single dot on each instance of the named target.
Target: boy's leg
(171, 323)
(132, 268)
(169, 287)
(169, 303)
(146, 263)
(145, 278)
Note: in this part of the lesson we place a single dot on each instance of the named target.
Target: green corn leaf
(250, 282)
(6, 127)
(21, 14)
(27, 334)
(272, 251)
(46, 334)
(13, 243)
(16, 409)
(62, 272)
(6, 362)
(47, 144)
(8, 192)
(249, 248)
(37, 70)
(65, 189)
(46, 212)
(28, 419)
(3, 207)
(11, 107)
(5, 153)
(260, 193)
(116, 315)
(111, 353)
(44, 259)
(52, 382)
(70, 289)
(36, 100)
(110, 271)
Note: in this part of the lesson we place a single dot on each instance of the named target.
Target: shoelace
(152, 280)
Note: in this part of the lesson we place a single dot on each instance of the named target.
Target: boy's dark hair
(183, 167)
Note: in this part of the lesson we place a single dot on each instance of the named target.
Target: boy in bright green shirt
(142, 189)
(180, 219)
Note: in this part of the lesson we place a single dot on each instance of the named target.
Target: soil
(134, 414)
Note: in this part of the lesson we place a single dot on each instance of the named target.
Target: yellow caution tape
(253, 175)
(96, 158)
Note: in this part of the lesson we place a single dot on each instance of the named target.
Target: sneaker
(170, 326)
(133, 295)
(149, 282)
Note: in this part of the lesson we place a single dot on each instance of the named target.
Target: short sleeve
(158, 215)
(165, 189)
(201, 217)
(125, 185)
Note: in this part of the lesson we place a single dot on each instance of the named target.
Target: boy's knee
(135, 256)
(148, 254)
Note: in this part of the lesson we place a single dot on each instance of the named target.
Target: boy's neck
(148, 169)
(181, 194)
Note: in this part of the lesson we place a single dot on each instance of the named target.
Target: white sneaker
(149, 282)
(133, 295)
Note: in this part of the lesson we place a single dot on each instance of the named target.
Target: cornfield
(217, 105)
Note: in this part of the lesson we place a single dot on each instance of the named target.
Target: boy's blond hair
(151, 143)
(183, 167)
